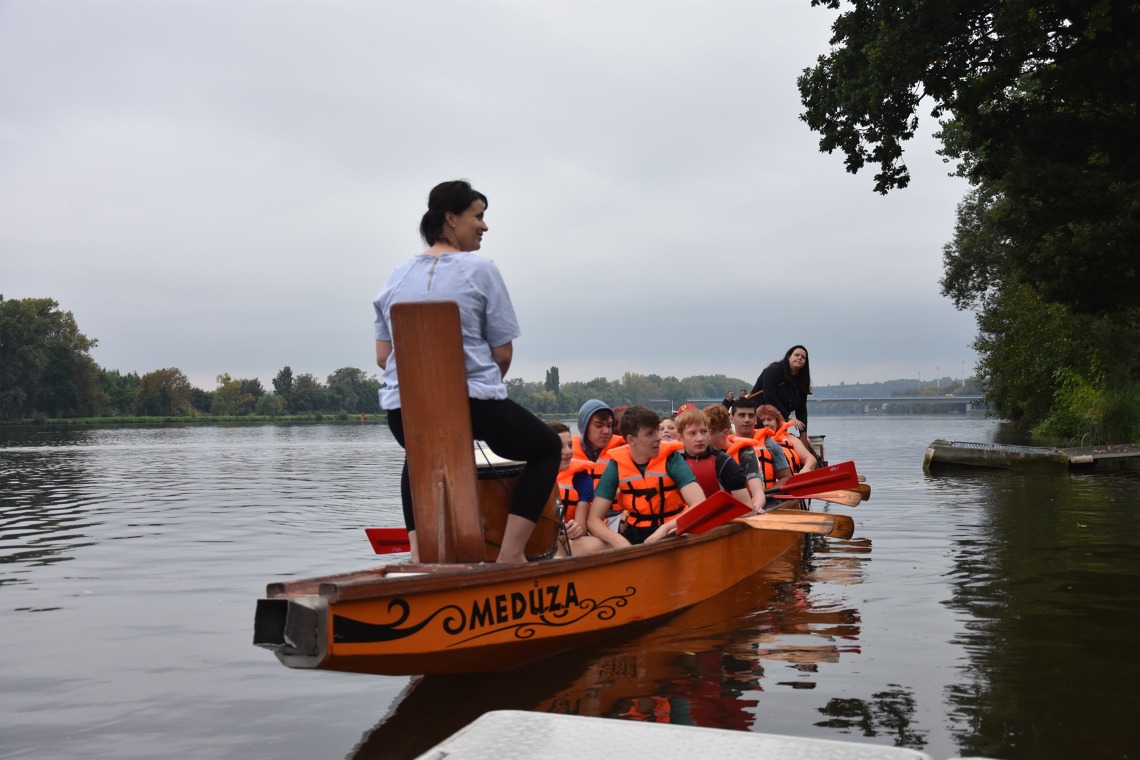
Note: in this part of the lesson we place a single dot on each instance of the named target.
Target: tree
(1031, 350)
(283, 386)
(230, 397)
(45, 365)
(252, 386)
(163, 393)
(342, 389)
(552, 383)
(120, 390)
(351, 390)
(1038, 104)
(270, 405)
(200, 400)
(308, 393)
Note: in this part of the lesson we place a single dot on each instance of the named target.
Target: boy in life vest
(741, 451)
(590, 454)
(773, 462)
(652, 485)
(713, 468)
(580, 543)
(668, 428)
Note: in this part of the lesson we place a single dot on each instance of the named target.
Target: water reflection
(44, 510)
(996, 614)
(1044, 579)
(708, 666)
(885, 713)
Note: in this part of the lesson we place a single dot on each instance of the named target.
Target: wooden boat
(713, 658)
(455, 613)
(407, 619)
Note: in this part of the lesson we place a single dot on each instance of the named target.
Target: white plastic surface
(516, 735)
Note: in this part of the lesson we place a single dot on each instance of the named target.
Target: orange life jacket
(651, 498)
(767, 465)
(566, 477)
(795, 461)
(566, 490)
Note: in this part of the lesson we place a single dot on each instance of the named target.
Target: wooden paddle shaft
(437, 431)
(836, 526)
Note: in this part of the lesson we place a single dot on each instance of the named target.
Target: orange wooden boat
(463, 618)
(455, 613)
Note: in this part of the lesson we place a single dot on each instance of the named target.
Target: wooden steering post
(437, 431)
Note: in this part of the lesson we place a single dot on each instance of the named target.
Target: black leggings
(511, 432)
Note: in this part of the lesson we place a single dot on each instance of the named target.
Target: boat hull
(473, 618)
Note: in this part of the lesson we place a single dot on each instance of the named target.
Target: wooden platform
(942, 453)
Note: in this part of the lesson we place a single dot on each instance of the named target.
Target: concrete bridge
(967, 401)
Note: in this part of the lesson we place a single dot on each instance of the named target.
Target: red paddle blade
(388, 540)
(714, 511)
(831, 478)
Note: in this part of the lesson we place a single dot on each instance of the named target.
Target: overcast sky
(223, 186)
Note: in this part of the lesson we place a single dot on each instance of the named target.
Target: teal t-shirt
(675, 467)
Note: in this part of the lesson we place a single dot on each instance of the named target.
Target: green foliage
(633, 388)
(1041, 359)
(1039, 104)
(283, 386)
(350, 390)
(270, 405)
(308, 394)
(1087, 415)
(120, 390)
(231, 397)
(45, 365)
(163, 393)
(553, 384)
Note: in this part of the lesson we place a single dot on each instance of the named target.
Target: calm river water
(976, 614)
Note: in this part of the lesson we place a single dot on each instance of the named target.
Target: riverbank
(205, 419)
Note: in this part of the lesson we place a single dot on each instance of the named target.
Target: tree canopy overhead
(1038, 105)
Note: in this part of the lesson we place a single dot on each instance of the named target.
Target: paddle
(388, 540)
(721, 507)
(835, 526)
(831, 478)
(717, 509)
(713, 511)
(847, 498)
(864, 491)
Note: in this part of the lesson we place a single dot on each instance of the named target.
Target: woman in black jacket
(786, 384)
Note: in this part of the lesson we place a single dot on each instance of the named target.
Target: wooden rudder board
(437, 431)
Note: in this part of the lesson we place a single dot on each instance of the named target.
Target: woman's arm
(801, 411)
(770, 378)
(502, 356)
(383, 351)
(806, 456)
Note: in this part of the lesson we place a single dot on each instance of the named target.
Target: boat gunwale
(379, 582)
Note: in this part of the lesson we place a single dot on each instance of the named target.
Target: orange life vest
(566, 490)
(566, 477)
(767, 465)
(651, 498)
(795, 461)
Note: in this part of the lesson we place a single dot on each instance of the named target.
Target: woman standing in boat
(786, 384)
(448, 270)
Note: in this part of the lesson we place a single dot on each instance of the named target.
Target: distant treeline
(46, 372)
